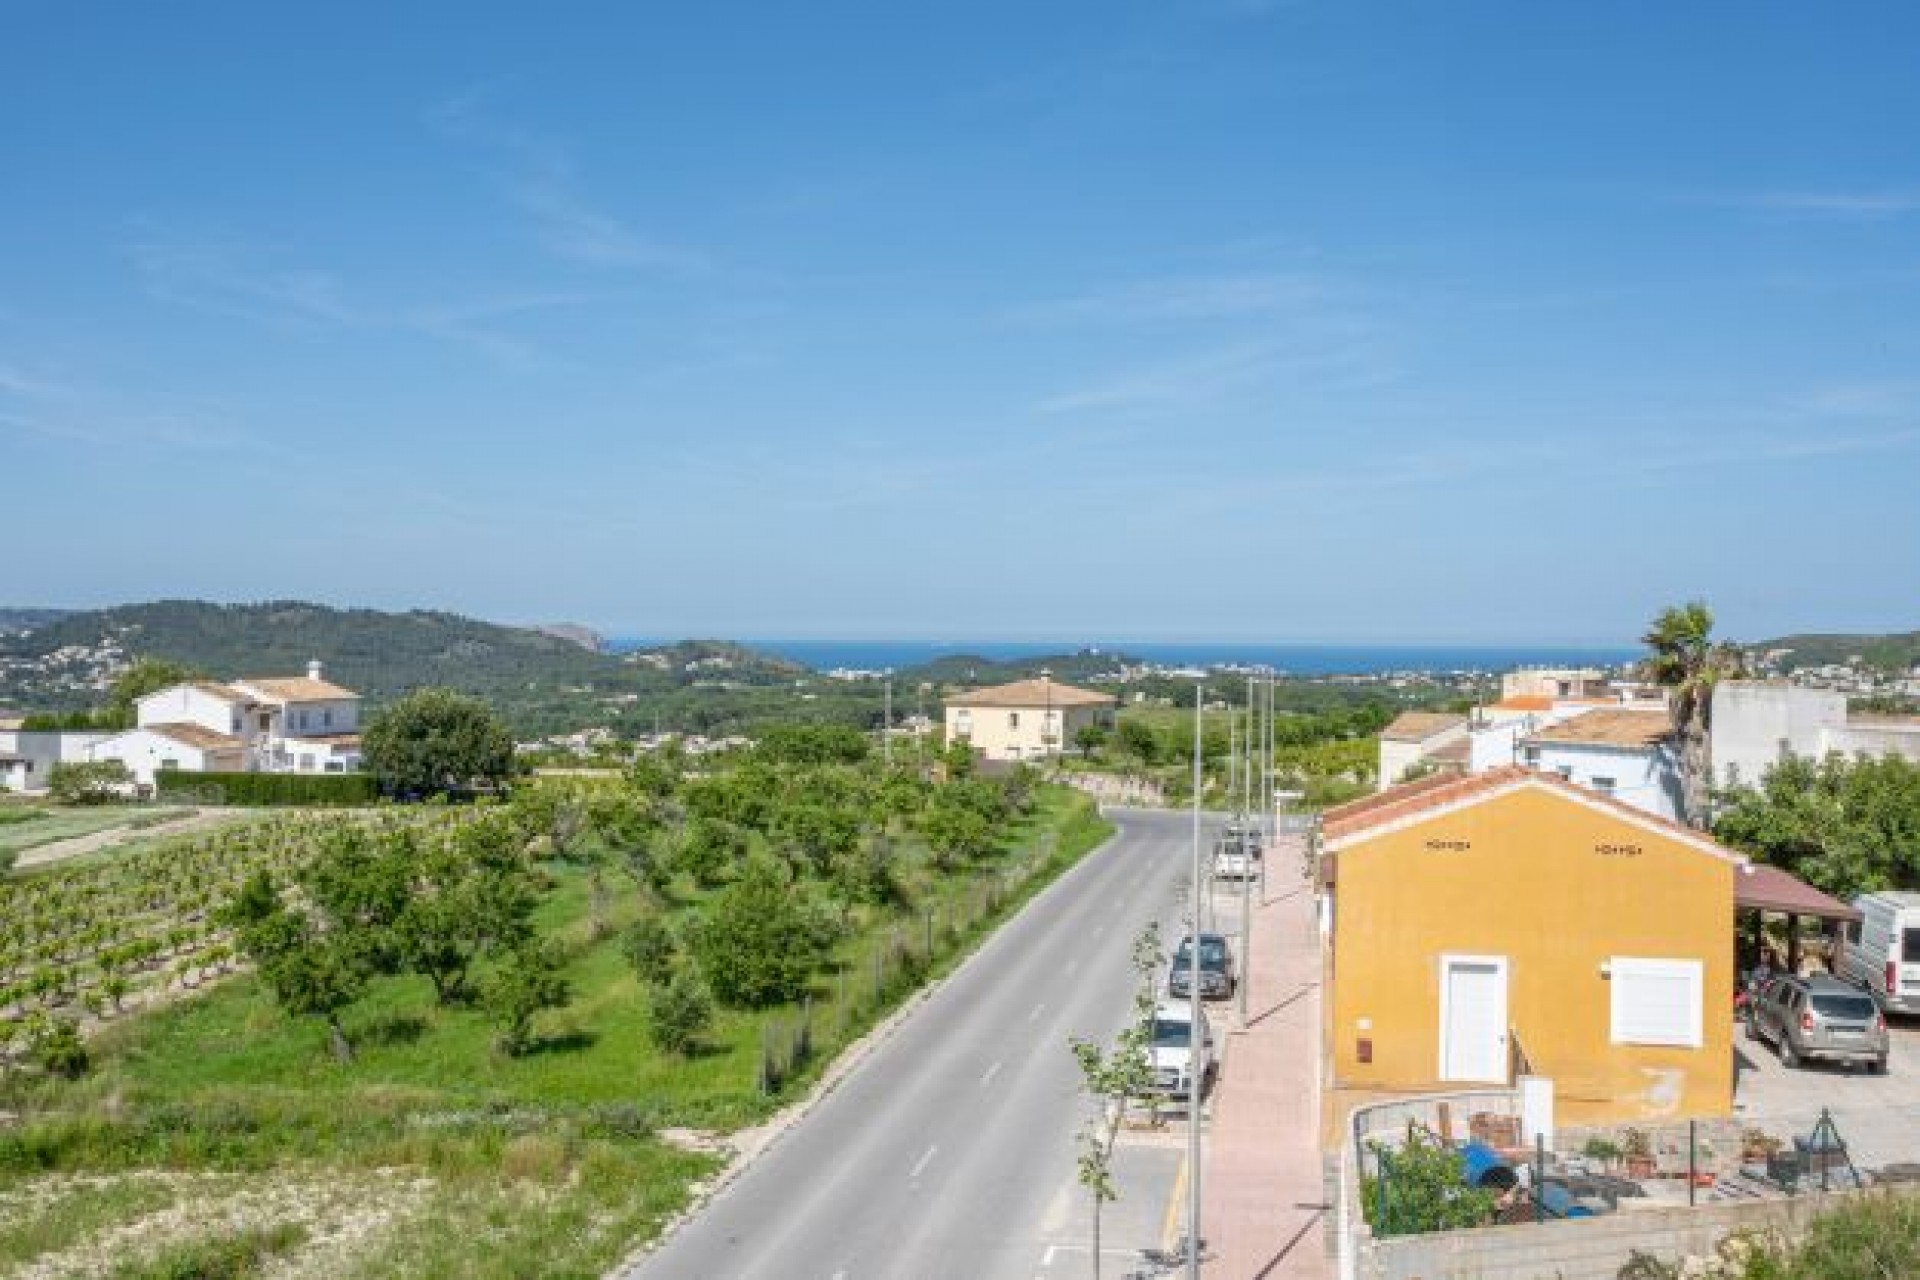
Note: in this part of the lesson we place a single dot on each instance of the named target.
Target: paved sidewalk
(1261, 1198)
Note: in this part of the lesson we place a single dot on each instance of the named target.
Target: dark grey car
(1819, 1019)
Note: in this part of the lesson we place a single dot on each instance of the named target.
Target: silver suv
(1824, 1019)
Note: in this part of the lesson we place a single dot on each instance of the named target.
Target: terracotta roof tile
(295, 688)
(1418, 726)
(1440, 791)
(196, 736)
(1616, 728)
(1032, 693)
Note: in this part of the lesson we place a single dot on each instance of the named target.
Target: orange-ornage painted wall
(1557, 887)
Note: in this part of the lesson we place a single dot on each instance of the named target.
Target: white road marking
(921, 1166)
(1046, 1259)
(992, 1071)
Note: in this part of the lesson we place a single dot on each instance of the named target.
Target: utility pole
(1194, 1015)
(886, 725)
(1247, 846)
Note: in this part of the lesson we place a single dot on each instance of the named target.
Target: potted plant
(1603, 1149)
(1637, 1146)
(1757, 1147)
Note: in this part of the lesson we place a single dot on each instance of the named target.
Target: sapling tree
(1112, 1077)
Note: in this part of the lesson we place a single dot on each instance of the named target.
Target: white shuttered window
(1657, 1001)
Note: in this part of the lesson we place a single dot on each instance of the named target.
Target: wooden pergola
(1761, 891)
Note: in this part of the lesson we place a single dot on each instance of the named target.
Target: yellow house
(1511, 921)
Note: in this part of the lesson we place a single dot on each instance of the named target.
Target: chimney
(314, 669)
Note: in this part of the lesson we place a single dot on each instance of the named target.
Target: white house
(191, 748)
(1619, 752)
(1757, 723)
(1026, 720)
(262, 724)
(32, 753)
(1436, 737)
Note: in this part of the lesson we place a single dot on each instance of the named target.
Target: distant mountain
(535, 678)
(586, 637)
(1898, 652)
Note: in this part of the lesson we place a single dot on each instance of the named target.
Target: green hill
(541, 682)
(1899, 651)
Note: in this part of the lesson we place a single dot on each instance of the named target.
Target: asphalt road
(941, 1155)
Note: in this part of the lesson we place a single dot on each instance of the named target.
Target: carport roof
(1758, 887)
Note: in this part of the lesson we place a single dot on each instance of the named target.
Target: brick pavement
(1262, 1194)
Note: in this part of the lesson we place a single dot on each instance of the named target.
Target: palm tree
(1689, 662)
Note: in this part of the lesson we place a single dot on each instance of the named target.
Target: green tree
(437, 741)
(1090, 738)
(527, 982)
(1688, 662)
(88, 781)
(1847, 826)
(709, 849)
(756, 943)
(650, 948)
(1137, 738)
(679, 1013)
(1422, 1187)
(808, 744)
(954, 830)
(57, 1046)
(1112, 1077)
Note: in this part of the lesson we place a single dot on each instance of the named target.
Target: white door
(1473, 1018)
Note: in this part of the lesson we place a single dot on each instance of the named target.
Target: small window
(1013, 719)
(1910, 946)
(1532, 755)
(1603, 785)
(1657, 1002)
(1565, 771)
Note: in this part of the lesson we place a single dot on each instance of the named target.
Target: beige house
(1026, 720)
(1435, 738)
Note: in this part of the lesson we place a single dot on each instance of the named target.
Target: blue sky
(1223, 319)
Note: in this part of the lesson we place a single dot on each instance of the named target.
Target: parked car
(1216, 968)
(1821, 1018)
(1882, 950)
(1234, 859)
(1172, 1051)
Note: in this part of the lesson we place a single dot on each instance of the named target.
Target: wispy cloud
(1841, 206)
(61, 409)
(250, 282)
(1212, 297)
(540, 177)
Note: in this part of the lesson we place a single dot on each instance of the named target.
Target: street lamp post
(1193, 1015)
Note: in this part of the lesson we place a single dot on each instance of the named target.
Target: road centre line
(992, 1071)
(920, 1166)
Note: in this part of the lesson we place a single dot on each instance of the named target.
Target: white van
(1882, 951)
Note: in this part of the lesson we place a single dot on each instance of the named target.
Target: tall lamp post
(1193, 1014)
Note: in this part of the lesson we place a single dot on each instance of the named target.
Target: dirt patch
(345, 1215)
(59, 850)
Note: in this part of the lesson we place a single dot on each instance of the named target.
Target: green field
(24, 827)
(432, 1154)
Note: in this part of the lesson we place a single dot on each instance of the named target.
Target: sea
(1291, 659)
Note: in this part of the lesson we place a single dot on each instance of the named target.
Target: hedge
(267, 788)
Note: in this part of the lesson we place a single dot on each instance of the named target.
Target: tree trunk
(337, 1039)
(1695, 782)
(596, 904)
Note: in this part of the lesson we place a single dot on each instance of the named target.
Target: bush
(58, 1048)
(756, 943)
(90, 782)
(679, 1012)
(527, 982)
(305, 789)
(649, 947)
(1422, 1187)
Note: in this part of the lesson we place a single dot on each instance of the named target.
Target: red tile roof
(1444, 791)
(1611, 728)
(1032, 693)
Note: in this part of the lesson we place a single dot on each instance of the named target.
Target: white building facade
(1758, 723)
(1628, 755)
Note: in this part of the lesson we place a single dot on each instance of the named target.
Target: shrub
(87, 782)
(649, 947)
(526, 983)
(60, 1050)
(306, 789)
(757, 943)
(679, 1013)
(1422, 1186)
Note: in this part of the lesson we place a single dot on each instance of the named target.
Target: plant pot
(1640, 1166)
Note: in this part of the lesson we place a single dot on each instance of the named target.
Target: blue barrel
(1483, 1167)
(1559, 1202)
